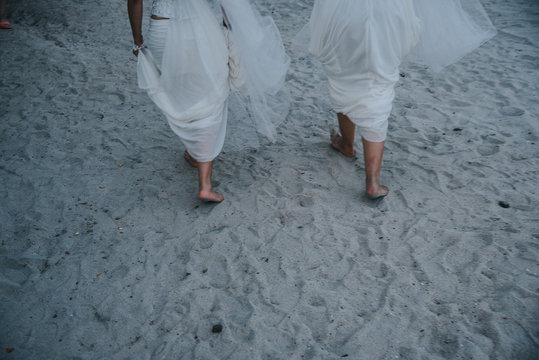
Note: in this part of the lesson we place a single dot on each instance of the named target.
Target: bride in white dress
(361, 44)
(192, 61)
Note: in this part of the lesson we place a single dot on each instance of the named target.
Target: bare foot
(337, 144)
(210, 196)
(189, 159)
(377, 192)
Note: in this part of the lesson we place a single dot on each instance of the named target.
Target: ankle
(373, 182)
(347, 146)
(376, 189)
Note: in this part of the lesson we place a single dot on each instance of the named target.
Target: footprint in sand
(487, 150)
(511, 111)
(317, 301)
(411, 129)
(306, 201)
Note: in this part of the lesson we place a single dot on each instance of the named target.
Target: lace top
(162, 8)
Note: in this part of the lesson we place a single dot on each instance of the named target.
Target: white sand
(107, 254)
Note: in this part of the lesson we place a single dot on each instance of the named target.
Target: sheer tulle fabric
(450, 30)
(361, 44)
(263, 62)
(186, 70)
(203, 141)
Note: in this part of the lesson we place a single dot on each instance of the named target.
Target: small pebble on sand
(504, 204)
(217, 328)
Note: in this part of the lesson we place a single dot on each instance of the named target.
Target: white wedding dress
(361, 44)
(185, 69)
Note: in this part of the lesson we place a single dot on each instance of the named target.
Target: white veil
(194, 83)
(263, 62)
(191, 81)
(450, 29)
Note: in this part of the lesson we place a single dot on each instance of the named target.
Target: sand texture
(106, 253)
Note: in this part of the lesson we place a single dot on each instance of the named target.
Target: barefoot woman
(361, 44)
(188, 56)
(185, 71)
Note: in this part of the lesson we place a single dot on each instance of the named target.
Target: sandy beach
(106, 252)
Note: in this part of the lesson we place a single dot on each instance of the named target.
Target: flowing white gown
(361, 44)
(450, 29)
(186, 70)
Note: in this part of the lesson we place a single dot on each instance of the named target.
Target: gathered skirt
(185, 72)
(361, 44)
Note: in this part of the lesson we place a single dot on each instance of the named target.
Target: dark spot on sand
(457, 129)
(217, 328)
(504, 204)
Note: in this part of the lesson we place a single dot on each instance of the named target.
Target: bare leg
(345, 141)
(190, 159)
(206, 192)
(373, 152)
